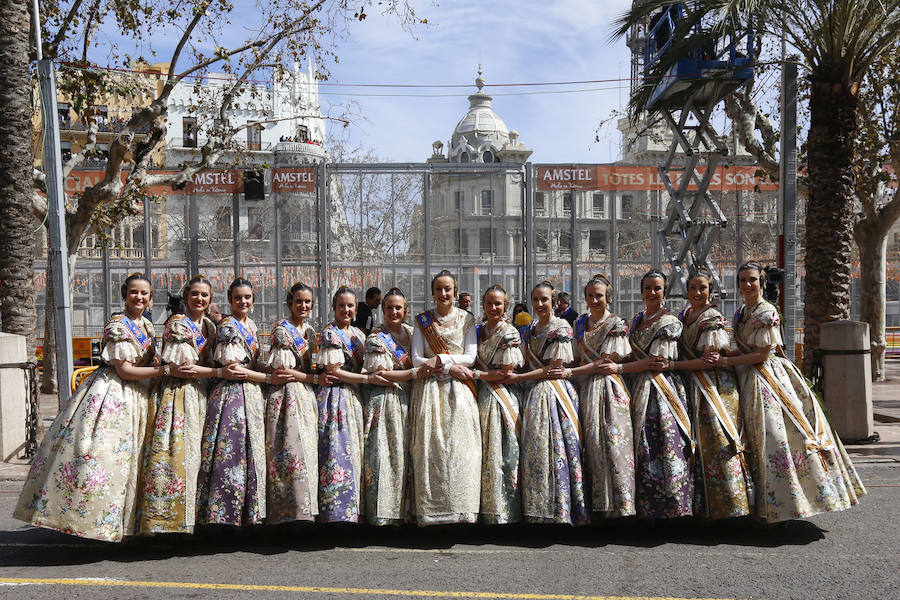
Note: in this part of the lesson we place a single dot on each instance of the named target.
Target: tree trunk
(16, 221)
(48, 375)
(829, 220)
(873, 291)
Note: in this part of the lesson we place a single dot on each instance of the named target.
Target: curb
(883, 418)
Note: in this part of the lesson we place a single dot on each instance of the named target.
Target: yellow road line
(316, 589)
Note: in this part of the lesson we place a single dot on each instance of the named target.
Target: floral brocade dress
(723, 486)
(172, 454)
(341, 427)
(231, 485)
(798, 463)
(445, 435)
(606, 417)
(552, 470)
(292, 434)
(660, 413)
(386, 473)
(501, 427)
(83, 480)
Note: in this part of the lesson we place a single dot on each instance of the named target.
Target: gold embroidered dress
(292, 434)
(723, 486)
(445, 435)
(606, 417)
(501, 427)
(386, 473)
(83, 479)
(798, 463)
(178, 410)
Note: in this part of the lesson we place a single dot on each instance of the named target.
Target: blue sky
(516, 42)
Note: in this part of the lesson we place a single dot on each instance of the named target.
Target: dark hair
(752, 264)
(564, 296)
(238, 282)
(298, 287)
(174, 305)
(520, 307)
(496, 288)
(340, 292)
(444, 273)
(549, 286)
(135, 277)
(656, 274)
(461, 294)
(599, 279)
(702, 271)
(394, 291)
(195, 279)
(372, 291)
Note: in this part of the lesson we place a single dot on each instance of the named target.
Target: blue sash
(478, 329)
(737, 318)
(581, 326)
(139, 335)
(636, 320)
(245, 333)
(299, 340)
(525, 333)
(396, 349)
(348, 341)
(424, 319)
(199, 340)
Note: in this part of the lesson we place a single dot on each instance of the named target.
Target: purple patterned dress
(552, 471)
(662, 451)
(231, 486)
(341, 429)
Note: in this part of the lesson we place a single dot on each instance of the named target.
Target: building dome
(481, 134)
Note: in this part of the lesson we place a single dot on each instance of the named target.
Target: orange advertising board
(624, 177)
(298, 180)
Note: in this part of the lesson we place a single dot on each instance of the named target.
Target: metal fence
(386, 225)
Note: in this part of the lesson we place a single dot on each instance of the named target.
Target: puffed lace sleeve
(281, 355)
(331, 351)
(765, 327)
(178, 344)
(230, 348)
(560, 346)
(509, 351)
(118, 344)
(713, 334)
(665, 344)
(616, 341)
(377, 355)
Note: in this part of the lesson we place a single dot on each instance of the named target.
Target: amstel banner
(641, 177)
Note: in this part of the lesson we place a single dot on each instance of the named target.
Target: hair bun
(546, 283)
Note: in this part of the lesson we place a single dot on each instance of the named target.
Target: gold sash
(438, 345)
(670, 397)
(562, 397)
(501, 395)
(590, 352)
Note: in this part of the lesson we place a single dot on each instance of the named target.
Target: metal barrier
(31, 414)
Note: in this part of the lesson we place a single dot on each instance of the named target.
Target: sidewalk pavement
(885, 402)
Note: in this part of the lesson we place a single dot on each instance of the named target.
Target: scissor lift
(685, 97)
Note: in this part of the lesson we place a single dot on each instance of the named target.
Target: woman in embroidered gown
(231, 485)
(386, 473)
(498, 407)
(723, 487)
(292, 431)
(341, 420)
(83, 480)
(601, 341)
(445, 437)
(172, 455)
(661, 413)
(552, 471)
(798, 463)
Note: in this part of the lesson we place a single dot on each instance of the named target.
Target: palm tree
(16, 221)
(837, 40)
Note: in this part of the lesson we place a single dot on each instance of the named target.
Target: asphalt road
(853, 554)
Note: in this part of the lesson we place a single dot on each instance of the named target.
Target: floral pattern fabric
(723, 485)
(386, 473)
(791, 482)
(664, 481)
(445, 438)
(172, 454)
(231, 484)
(341, 429)
(291, 423)
(606, 419)
(501, 499)
(83, 480)
(552, 470)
